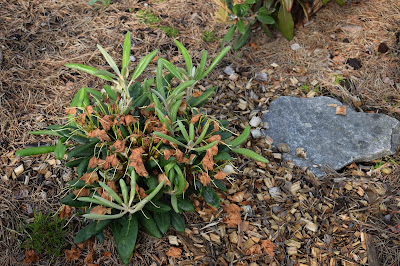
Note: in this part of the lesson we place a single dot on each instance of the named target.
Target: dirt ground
(348, 218)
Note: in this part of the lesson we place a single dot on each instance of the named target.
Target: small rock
(256, 133)
(132, 58)
(351, 28)
(295, 46)
(283, 147)
(228, 169)
(389, 81)
(274, 65)
(255, 121)
(229, 70)
(354, 63)
(19, 170)
(261, 76)
(300, 152)
(383, 48)
(265, 125)
(387, 217)
(173, 240)
(275, 192)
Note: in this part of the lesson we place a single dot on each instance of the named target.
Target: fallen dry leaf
(162, 177)
(89, 178)
(65, 212)
(332, 105)
(341, 110)
(269, 247)
(72, 254)
(174, 252)
(31, 256)
(204, 178)
(237, 197)
(220, 175)
(119, 146)
(100, 210)
(195, 118)
(137, 162)
(233, 218)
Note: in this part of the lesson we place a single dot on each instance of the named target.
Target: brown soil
(350, 209)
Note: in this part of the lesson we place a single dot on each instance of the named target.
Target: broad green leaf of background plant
(341, 2)
(211, 197)
(285, 23)
(264, 17)
(125, 232)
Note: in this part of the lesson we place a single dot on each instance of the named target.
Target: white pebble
(295, 46)
(255, 121)
(256, 133)
(228, 169)
(229, 70)
(132, 58)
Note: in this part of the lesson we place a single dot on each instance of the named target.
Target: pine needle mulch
(274, 214)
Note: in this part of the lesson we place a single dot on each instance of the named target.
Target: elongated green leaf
(157, 206)
(264, 17)
(223, 156)
(241, 138)
(211, 197)
(183, 86)
(219, 57)
(242, 39)
(35, 150)
(203, 134)
(228, 36)
(241, 27)
(60, 149)
(285, 23)
(147, 221)
(183, 130)
(288, 4)
(82, 150)
(163, 221)
(160, 79)
(203, 98)
(94, 92)
(174, 203)
(92, 229)
(45, 132)
(177, 221)
(143, 64)
(169, 138)
(105, 73)
(125, 232)
(251, 154)
(110, 92)
(186, 56)
(206, 147)
(82, 167)
(72, 201)
(174, 110)
(109, 60)
(126, 53)
(111, 192)
(102, 217)
(88, 69)
(202, 65)
(185, 205)
(74, 163)
(171, 68)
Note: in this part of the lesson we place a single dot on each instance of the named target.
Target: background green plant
(104, 3)
(46, 234)
(243, 14)
(142, 148)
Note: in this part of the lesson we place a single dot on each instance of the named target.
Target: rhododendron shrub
(140, 149)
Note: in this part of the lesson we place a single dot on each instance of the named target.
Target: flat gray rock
(328, 138)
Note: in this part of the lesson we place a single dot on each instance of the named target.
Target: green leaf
(35, 150)
(324, 2)
(111, 192)
(251, 154)
(186, 56)
(60, 148)
(211, 197)
(240, 10)
(185, 205)
(147, 221)
(92, 229)
(163, 221)
(218, 184)
(82, 150)
(45, 132)
(341, 2)
(71, 200)
(100, 237)
(82, 167)
(94, 92)
(88, 69)
(109, 60)
(157, 206)
(143, 64)
(216, 60)
(169, 138)
(74, 163)
(126, 53)
(223, 156)
(264, 17)
(110, 92)
(242, 39)
(203, 98)
(177, 221)
(285, 23)
(229, 35)
(171, 68)
(125, 232)
(241, 138)
(202, 65)
(241, 27)
(288, 4)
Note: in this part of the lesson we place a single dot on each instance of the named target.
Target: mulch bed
(273, 214)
